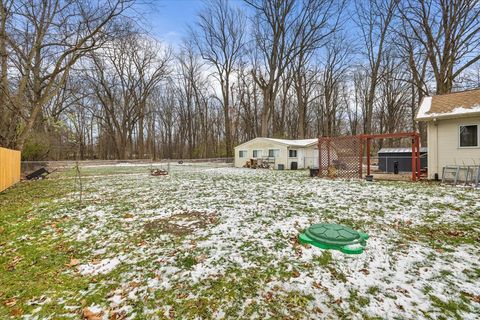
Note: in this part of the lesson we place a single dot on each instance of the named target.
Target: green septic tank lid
(335, 236)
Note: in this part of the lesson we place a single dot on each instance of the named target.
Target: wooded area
(83, 80)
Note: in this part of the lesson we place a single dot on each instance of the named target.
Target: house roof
(292, 143)
(451, 105)
(400, 150)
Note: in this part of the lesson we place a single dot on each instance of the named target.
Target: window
(242, 153)
(273, 153)
(469, 136)
(257, 153)
(292, 153)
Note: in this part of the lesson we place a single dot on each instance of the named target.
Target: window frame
(459, 135)
(278, 153)
(240, 153)
(296, 153)
(259, 153)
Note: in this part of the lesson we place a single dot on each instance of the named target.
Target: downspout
(436, 146)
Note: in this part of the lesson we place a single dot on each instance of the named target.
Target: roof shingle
(450, 105)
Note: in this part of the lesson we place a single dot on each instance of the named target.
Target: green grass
(41, 265)
(35, 252)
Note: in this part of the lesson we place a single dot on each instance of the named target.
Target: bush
(34, 151)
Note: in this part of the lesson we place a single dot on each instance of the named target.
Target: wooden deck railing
(9, 167)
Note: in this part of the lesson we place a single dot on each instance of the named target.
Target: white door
(301, 158)
(314, 163)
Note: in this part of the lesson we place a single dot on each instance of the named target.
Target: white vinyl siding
(444, 148)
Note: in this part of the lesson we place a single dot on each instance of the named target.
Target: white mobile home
(453, 130)
(280, 153)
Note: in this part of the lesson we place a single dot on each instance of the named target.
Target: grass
(212, 242)
(29, 269)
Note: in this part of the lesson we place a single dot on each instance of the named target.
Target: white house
(453, 130)
(280, 153)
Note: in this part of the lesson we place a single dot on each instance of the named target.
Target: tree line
(82, 80)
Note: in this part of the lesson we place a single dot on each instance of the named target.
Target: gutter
(439, 116)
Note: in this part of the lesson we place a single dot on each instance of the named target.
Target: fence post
(417, 144)
(360, 160)
(414, 161)
(368, 156)
(319, 157)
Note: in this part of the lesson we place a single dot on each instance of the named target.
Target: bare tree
(333, 79)
(44, 40)
(220, 41)
(123, 77)
(374, 19)
(448, 31)
(284, 29)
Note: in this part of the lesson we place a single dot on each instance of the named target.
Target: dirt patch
(181, 224)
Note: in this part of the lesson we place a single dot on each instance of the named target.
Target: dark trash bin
(313, 172)
(395, 167)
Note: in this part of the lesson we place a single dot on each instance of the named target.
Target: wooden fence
(9, 167)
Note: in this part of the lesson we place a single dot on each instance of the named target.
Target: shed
(278, 153)
(388, 156)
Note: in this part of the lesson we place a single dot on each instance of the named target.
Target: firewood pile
(158, 172)
(257, 164)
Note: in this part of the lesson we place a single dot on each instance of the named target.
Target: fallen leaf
(2, 229)
(364, 271)
(268, 296)
(90, 315)
(117, 316)
(11, 302)
(128, 216)
(73, 262)
(318, 310)
(454, 233)
(12, 264)
(171, 313)
(474, 298)
(295, 274)
(17, 312)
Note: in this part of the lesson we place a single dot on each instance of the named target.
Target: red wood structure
(343, 156)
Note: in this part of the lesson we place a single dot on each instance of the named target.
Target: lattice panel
(340, 157)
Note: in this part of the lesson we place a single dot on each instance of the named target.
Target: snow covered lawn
(218, 243)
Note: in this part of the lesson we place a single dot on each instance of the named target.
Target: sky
(168, 20)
